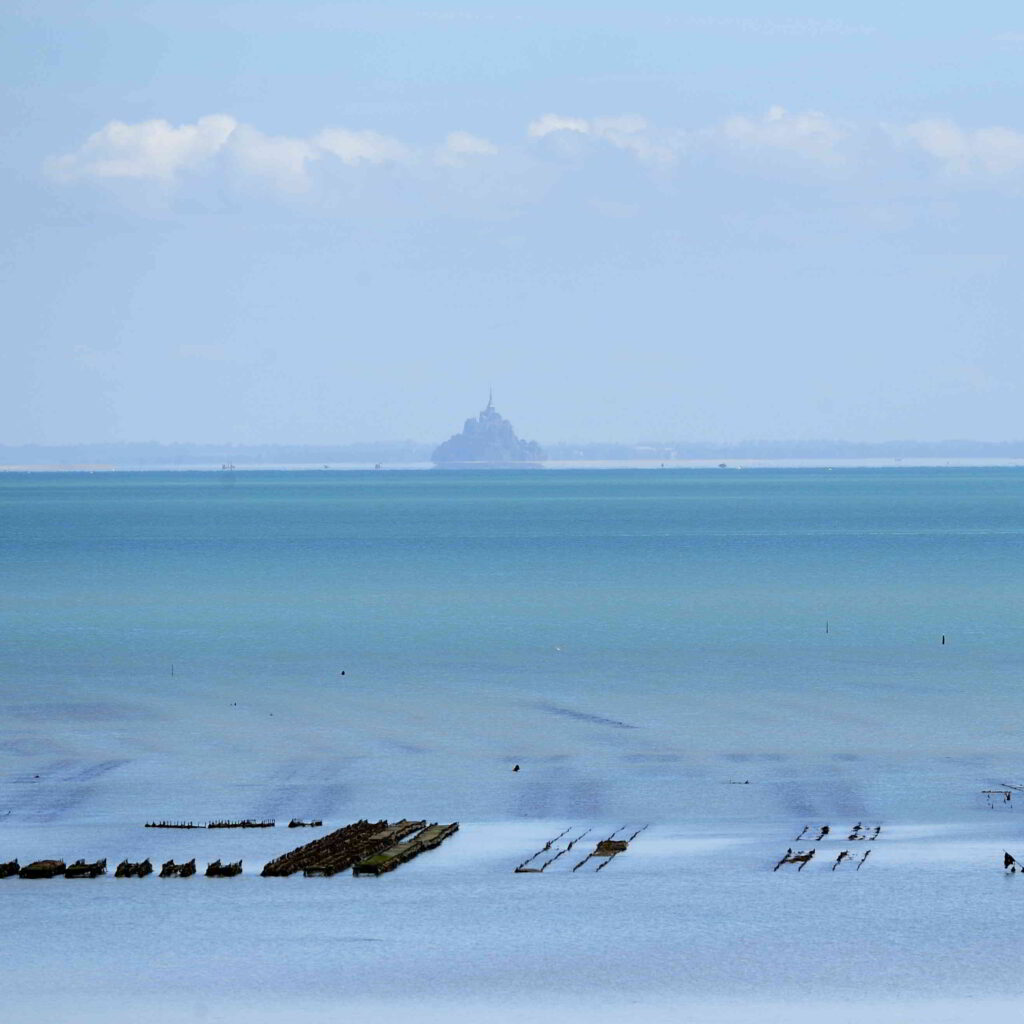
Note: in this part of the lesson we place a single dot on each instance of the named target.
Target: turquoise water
(171, 647)
(481, 618)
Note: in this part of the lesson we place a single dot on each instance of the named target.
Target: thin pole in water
(826, 627)
(172, 668)
(943, 639)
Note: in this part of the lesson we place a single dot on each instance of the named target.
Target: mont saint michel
(488, 442)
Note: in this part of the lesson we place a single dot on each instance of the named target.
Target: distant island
(488, 442)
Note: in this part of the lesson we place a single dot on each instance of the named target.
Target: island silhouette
(488, 441)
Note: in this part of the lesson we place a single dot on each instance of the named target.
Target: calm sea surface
(650, 647)
(646, 617)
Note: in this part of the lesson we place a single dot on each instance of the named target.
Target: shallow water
(635, 637)
(686, 914)
(172, 646)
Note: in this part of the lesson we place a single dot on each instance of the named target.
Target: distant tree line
(789, 450)
(154, 454)
(151, 454)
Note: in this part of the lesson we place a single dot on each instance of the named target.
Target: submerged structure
(138, 869)
(172, 870)
(488, 441)
(43, 869)
(216, 869)
(82, 869)
(339, 850)
(387, 860)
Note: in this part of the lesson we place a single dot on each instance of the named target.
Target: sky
(314, 222)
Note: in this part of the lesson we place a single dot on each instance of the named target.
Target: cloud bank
(167, 154)
(810, 134)
(150, 149)
(985, 152)
(159, 151)
(630, 132)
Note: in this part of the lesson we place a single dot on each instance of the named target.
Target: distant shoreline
(582, 464)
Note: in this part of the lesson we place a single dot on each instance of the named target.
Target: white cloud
(461, 147)
(279, 159)
(362, 147)
(556, 123)
(630, 132)
(158, 151)
(810, 134)
(989, 151)
(150, 149)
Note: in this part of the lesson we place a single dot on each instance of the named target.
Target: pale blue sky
(331, 222)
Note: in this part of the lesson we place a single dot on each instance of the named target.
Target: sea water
(605, 628)
(723, 655)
